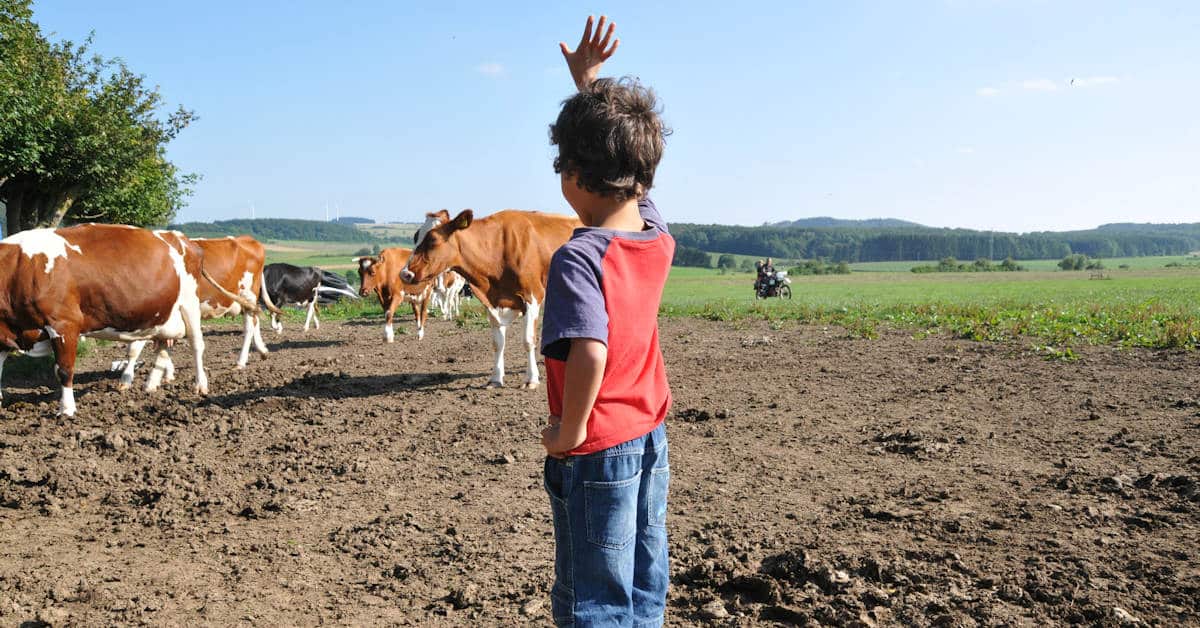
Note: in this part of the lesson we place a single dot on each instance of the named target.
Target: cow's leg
(498, 331)
(3, 357)
(389, 332)
(131, 358)
(259, 345)
(500, 318)
(247, 338)
(162, 362)
(64, 367)
(191, 319)
(311, 315)
(531, 315)
(421, 311)
(276, 324)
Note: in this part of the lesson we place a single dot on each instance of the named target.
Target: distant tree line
(902, 244)
(354, 220)
(279, 229)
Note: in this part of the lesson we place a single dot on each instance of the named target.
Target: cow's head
(368, 275)
(436, 245)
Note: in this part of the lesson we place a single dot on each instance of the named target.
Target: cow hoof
(202, 391)
(530, 385)
(123, 386)
(240, 366)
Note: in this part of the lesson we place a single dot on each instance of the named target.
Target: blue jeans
(610, 534)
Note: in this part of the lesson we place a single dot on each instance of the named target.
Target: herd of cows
(137, 286)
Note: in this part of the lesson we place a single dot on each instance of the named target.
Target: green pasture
(1148, 308)
(391, 230)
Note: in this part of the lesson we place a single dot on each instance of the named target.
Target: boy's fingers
(563, 47)
(605, 56)
(599, 29)
(607, 36)
(587, 33)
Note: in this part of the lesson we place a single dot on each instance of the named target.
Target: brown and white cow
(104, 281)
(505, 258)
(237, 265)
(381, 274)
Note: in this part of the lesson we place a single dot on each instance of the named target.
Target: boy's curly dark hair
(610, 136)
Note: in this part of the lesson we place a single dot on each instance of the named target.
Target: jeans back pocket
(612, 511)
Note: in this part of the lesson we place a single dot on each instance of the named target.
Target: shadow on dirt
(303, 344)
(337, 386)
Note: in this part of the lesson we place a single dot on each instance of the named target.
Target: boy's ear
(462, 220)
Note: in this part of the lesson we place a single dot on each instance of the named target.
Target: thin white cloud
(987, 91)
(1093, 81)
(490, 69)
(966, 150)
(1043, 85)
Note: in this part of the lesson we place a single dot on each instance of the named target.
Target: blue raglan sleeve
(649, 212)
(574, 301)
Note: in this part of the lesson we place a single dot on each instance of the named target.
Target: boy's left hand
(550, 439)
(584, 62)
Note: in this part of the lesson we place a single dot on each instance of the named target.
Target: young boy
(606, 466)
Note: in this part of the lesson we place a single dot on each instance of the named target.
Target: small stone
(532, 607)
(714, 610)
(53, 616)
(1056, 508)
(1124, 616)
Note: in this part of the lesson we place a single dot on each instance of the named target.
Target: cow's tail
(265, 297)
(249, 305)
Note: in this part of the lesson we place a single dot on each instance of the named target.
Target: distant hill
(1167, 227)
(279, 229)
(823, 222)
(354, 220)
(916, 242)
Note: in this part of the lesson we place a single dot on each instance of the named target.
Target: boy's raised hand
(592, 52)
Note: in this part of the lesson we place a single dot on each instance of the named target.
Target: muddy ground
(815, 479)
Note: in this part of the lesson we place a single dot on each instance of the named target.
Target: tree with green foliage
(81, 136)
(726, 263)
(690, 256)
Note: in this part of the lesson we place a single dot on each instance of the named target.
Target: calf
(504, 257)
(381, 274)
(112, 282)
(285, 284)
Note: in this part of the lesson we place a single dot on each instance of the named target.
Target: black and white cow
(304, 286)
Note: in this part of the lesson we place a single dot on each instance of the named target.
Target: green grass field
(1146, 305)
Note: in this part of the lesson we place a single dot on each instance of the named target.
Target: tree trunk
(13, 204)
(59, 207)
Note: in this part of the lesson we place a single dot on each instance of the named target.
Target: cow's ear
(462, 220)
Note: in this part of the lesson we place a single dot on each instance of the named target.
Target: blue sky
(957, 113)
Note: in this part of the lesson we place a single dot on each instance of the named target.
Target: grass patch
(1149, 308)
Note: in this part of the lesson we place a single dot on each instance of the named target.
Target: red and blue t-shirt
(607, 285)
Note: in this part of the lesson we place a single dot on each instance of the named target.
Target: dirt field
(815, 479)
